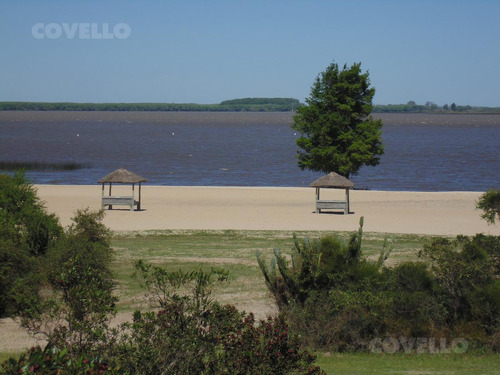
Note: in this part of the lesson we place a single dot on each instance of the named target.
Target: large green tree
(337, 132)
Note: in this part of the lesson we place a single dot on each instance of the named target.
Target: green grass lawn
(231, 250)
(413, 364)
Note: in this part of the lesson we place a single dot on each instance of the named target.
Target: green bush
(26, 234)
(329, 291)
(76, 290)
(466, 273)
(193, 334)
(23, 215)
(54, 361)
(338, 300)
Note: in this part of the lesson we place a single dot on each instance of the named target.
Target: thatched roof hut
(121, 176)
(332, 181)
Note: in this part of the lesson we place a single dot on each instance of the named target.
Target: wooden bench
(119, 201)
(332, 205)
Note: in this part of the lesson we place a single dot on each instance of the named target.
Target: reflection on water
(422, 152)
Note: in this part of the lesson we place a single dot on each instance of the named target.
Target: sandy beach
(274, 208)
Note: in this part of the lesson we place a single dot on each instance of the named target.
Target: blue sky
(208, 51)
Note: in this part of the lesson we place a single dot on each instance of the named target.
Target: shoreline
(274, 208)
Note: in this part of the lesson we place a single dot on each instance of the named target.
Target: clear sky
(208, 51)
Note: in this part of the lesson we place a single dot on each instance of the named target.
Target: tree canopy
(337, 132)
(489, 202)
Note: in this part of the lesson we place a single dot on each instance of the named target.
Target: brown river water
(423, 152)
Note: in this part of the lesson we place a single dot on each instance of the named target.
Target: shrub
(329, 291)
(26, 233)
(77, 291)
(193, 334)
(338, 300)
(23, 216)
(55, 361)
(466, 275)
(414, 309)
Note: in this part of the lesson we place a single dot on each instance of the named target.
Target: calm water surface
(422, 152)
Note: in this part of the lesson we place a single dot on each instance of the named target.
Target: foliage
(337, 132)
(26, 233)
(319, 265)
(489, 202)
(326, 290)
(71, 303)
(77, 295)
(192, 334)
(25, 221)
(53, 361)
(338, 300)
(467, 279)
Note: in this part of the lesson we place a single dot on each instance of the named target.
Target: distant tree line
(430, 107)
(236, 105)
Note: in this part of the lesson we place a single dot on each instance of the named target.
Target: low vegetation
(347, 289)
(337, 299)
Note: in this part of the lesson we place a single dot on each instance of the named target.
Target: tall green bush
(327, 289)
(26, 233)
(338, 300)
(190, 333)
(77, 293)
(467, 279)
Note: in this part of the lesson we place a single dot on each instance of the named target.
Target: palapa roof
(122, 176)
(332, 180)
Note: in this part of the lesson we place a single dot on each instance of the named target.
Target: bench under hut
(121, 176)
(332, 181)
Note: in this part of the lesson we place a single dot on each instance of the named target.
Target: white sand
(275, 208)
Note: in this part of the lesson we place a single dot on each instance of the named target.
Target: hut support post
(139, 204)
(102, 196)
(318, 210)
(110, 206)
(133, 197)
(347, 210)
